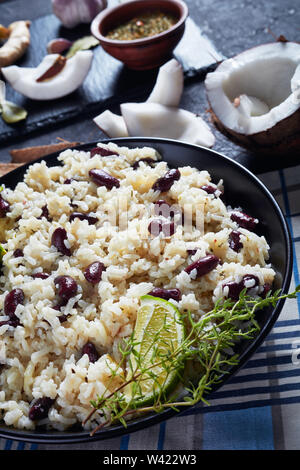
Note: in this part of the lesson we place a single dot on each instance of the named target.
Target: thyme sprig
(197, 364)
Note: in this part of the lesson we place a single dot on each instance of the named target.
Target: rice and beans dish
(84, 240)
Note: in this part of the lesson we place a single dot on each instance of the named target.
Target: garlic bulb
(74, 12)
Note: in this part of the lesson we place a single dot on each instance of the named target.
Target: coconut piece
(167, 91)
(111, 124)
(72, 75)
(255, 97)
(156, 120)
(159, 115)
(169, 84)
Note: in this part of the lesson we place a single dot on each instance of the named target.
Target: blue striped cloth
(260, 407)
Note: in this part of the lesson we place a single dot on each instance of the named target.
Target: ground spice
(145, 25)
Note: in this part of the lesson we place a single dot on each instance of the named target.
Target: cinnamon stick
(29, 154)
(7, 167)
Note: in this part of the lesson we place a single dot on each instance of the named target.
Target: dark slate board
(108, 82)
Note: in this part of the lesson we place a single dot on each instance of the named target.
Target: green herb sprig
(206, 352)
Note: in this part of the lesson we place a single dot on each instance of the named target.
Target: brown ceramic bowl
(146, 53)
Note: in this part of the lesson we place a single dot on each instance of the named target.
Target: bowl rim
(68, 437)
(95, 25)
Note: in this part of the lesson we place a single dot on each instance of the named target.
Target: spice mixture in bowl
(143, 26)
(85, 240)
(143, 33)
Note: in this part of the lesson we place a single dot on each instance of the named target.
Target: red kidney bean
(91, 351)
(67, 287)
(162, 208)
(166, 293)
(147, 160)
(45, 213)
(69, 180)
(235, 288)
(244, 220)
(102, 178)
(18, 253)
(102, 151)
(58, 238)
(12, 300)
(40, 408)
(62, 318)
(203, 265)
(209, 189)
(157, 226)
(56, 307)
(93, 273)
(168, 229)
(164, 183)
(11, 322)
(193, 251)
(250, 277)
(62, 303)
(266, 289)
(40, 275)
(92, 220)
(4, 207)
(234, 241)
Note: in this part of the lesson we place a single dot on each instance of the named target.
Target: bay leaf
(12, 113)
(82, 44)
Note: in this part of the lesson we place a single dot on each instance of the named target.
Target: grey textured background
(232, 25)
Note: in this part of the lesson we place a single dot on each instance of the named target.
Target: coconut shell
(278, 140)
(283, 137)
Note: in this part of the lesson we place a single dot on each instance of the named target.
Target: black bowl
(242, 189)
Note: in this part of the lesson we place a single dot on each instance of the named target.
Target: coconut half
(24, 79)
(255, 97)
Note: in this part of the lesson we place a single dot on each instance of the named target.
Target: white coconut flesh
(159, 116)
(111, 124)
(154, 119)
(23, 79)
(169, 84)
(257, 89)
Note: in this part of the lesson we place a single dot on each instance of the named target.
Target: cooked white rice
(42, 357)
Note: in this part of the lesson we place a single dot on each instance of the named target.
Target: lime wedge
(158, 334)
(2, 252)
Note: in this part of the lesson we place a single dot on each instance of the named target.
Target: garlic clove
(58, 45)
(68, 80)
(169, 84)
(156, 120)
(111, 124)
(73, 12)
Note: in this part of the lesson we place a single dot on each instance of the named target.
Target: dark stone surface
(233, 26)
